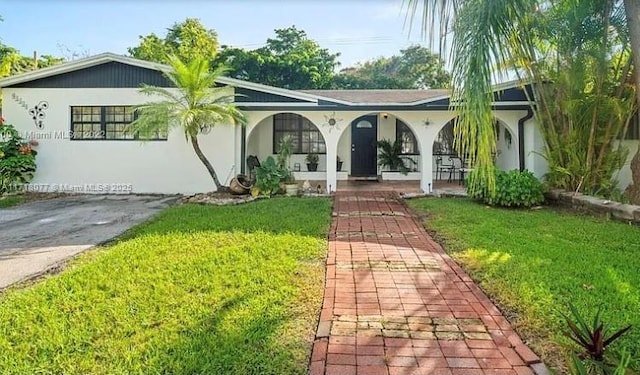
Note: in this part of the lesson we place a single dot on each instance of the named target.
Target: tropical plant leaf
(616, 335)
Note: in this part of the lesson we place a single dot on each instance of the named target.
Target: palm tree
(486, 37)
(483, 32)
(195, 106)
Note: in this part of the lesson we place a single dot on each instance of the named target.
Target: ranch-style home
(78, 112)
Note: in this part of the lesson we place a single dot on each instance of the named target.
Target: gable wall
(111, 75)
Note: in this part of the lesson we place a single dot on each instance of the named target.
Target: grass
(198, 290)
(534, 262)
(10, 201)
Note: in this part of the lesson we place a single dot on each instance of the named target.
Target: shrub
(269, 175)
(513, 189)
(17, 159)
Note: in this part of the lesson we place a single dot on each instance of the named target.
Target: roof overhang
(107, 57)
(302, 98)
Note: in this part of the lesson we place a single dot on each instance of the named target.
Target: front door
(364, 155)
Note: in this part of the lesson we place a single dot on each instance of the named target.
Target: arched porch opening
(450, 166)
(359, 152)
(506, 147)
(264, 138)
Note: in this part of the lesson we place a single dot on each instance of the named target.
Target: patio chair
(441, 167)
(252, 163)
(465, 168)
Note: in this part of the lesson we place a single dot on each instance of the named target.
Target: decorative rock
(219, 199)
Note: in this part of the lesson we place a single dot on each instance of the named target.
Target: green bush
(513, 189)
(17, 159)
(269, 176)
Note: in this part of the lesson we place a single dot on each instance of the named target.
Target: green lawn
(10, 201)
(198, 290)
(534, 262)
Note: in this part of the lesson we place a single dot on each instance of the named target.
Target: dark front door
(364, 155)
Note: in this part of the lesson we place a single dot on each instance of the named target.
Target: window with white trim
(305, 136)
(409, 141)
(111, 123)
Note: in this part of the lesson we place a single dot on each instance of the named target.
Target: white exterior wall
(172, 167)
(152, 167)
(534, 148)
(344, 151)
(507, 158)
(624, 175)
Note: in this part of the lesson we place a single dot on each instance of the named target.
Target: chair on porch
(465, 168)
(252, 163)
(441, 167)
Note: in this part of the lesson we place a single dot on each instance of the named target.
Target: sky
(359, 29)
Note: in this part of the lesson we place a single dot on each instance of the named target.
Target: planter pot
(240, 185)
(291, 190)
(312, 167)
(339, 166)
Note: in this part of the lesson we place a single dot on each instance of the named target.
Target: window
(409, 142)
(106, 123)
(443, 144)
(633, 131)
(305, 136)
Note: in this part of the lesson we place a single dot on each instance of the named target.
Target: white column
(332, 154)
(425, 136)
(238, 148)
(426, 176)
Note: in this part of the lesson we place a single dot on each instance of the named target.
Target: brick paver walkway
(395, 303)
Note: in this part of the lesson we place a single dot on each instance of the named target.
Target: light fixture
(385, 115)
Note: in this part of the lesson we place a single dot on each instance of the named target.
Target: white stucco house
(78, 112)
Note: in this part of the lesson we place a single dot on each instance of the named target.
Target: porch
(401, 187)
(343, 136)
(345, 145)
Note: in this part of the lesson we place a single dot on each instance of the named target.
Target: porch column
(332, 154)
(426, 176)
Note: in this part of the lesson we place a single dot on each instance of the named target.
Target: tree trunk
(632, 8)
(207, 164)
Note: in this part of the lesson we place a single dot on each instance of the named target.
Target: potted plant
(390, 156)
(338, 164)
(290, 184)
(285, 149)
(312, 160)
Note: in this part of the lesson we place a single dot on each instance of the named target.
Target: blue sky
(358, 29)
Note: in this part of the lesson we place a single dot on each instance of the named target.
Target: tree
(12, 62)
(584, 104)
(196, 107)
(290, 60)
(415, 68)
(188, 40)
(490, 36)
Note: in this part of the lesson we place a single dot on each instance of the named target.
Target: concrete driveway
(37, 236)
